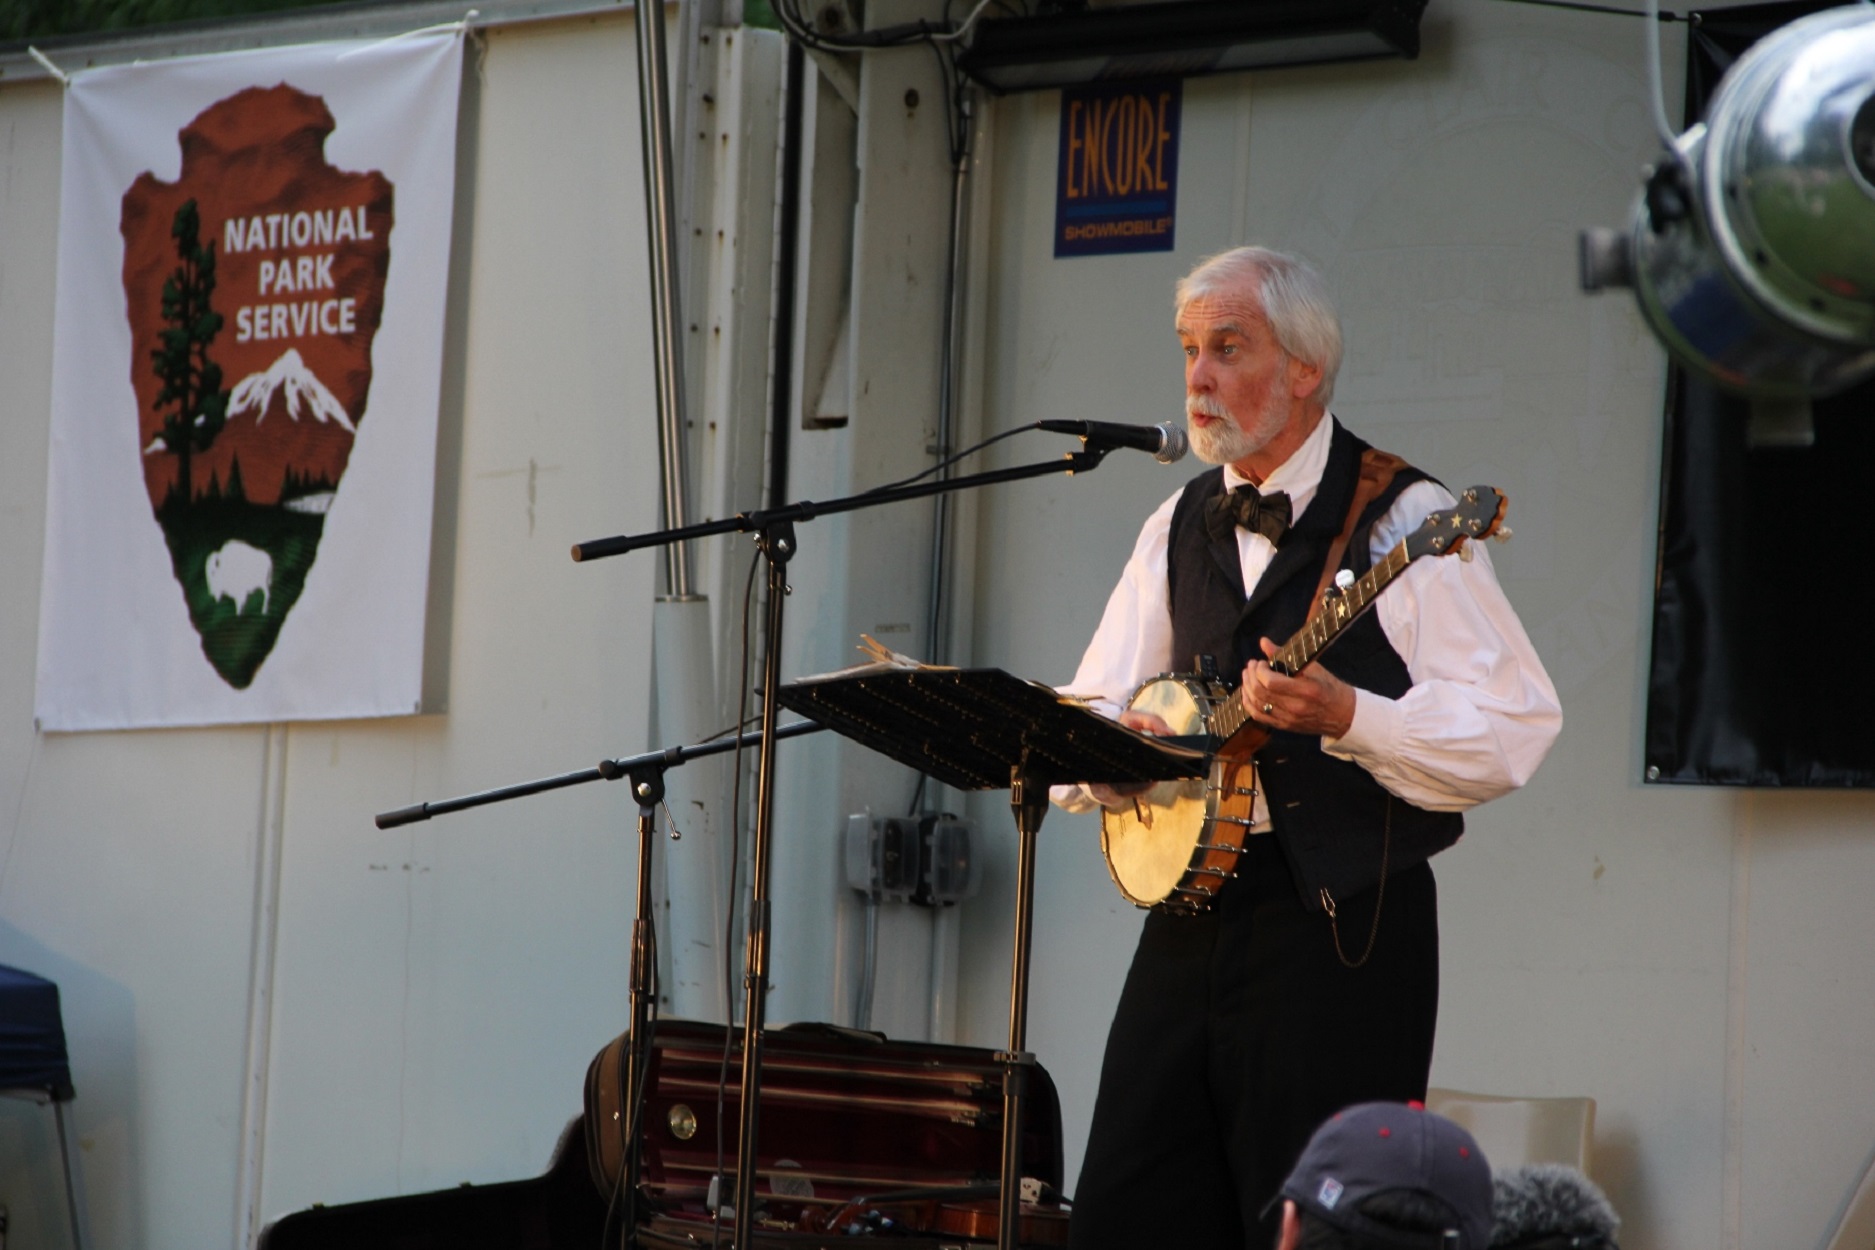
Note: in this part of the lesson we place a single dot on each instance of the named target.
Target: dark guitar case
(559, 1210)
(859, 1138)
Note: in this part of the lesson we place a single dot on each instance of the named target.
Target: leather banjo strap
(1377, 471)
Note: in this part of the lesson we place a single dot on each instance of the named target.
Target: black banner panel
(1763, 669)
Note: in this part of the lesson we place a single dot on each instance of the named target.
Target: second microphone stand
(773, 529)
(646, 773)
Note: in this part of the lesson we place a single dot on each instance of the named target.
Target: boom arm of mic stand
(442, 807)
(1083, 461)
(608, 770)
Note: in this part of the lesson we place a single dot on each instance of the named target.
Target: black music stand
(983, 729)
(773, 529)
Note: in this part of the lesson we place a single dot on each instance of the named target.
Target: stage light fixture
(1184, 39)
(1751, 247)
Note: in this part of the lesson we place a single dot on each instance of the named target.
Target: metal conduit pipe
(787, 273)
(660, 219)
(940, 970)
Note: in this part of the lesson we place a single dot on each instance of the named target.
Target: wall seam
(1738, 957)
(270, 838)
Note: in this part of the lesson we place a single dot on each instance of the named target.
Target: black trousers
(1238, 1032)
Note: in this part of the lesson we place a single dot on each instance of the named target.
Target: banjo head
(1151, 847)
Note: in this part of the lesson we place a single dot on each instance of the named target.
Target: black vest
(1331, 818)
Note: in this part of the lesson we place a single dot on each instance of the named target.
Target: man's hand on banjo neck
(1314, 701)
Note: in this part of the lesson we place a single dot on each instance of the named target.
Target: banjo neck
(1341, 607)
(1476, 514)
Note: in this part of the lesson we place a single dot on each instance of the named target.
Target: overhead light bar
(1186, 38)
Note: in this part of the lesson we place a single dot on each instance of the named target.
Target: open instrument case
(861, 1140)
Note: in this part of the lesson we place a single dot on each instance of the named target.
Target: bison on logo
(254, 285)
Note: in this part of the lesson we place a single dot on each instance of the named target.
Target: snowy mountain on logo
(254, 393)
(287, 437)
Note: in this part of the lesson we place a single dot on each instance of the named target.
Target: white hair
(1293, 297)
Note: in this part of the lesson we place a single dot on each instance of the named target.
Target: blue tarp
(32, 1036)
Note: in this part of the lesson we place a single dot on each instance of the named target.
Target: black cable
(902, 35)
(938, 36)
(971, 450)
(945, 71)
(1581, 7)
(632, 1104)
(733, 729)
(635, 1102)
(611, 1209)
(1009, 8)
(960, 91)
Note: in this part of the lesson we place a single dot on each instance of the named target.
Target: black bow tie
(1267, 515)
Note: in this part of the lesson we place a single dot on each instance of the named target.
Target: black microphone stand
(773, 529)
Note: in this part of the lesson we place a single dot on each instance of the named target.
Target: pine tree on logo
(191, 381)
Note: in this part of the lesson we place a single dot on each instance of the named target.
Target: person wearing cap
(1388, 1176)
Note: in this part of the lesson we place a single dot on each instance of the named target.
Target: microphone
(1547, 1206)
(1166, 442)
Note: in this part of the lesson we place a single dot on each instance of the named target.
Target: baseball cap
(1375, 1147)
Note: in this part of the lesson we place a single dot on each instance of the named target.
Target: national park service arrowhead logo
(254, 285)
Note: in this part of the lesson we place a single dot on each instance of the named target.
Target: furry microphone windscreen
(1547, 1206)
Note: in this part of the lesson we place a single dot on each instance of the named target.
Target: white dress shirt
(1481, 713)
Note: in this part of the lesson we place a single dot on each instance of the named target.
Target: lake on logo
(254, 285)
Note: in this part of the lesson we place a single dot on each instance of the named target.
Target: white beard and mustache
(1226, 441)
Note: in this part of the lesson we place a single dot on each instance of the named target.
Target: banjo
(1179, 842)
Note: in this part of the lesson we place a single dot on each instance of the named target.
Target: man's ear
(1305, 379)
(1292, 1227)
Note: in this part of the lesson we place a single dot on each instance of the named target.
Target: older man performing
(1312, 981)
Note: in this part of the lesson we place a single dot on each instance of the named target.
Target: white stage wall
(1691, 958)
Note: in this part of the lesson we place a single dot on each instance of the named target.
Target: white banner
(253, 262)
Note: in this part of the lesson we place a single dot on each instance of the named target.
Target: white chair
(1518, 1131)
(1856, 1231)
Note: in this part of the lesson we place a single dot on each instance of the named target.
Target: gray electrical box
(882, 854)
(930, 860)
